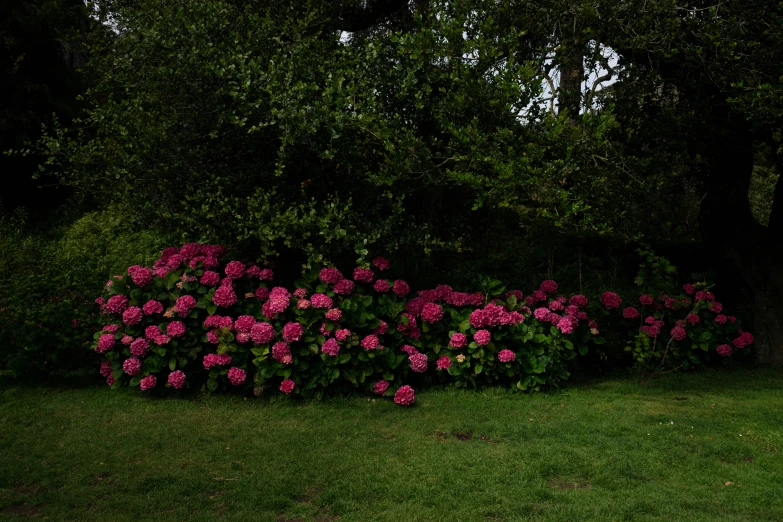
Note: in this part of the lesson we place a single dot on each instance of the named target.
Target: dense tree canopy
(328, 128)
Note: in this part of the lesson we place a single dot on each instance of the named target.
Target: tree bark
(727, 225)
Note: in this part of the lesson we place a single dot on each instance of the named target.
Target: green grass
(707, 446)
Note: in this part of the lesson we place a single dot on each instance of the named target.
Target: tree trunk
(571, 65)
(728, 226)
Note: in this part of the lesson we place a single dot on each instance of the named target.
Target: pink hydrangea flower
(331, 347)
(262, 293)
(185, 304)
(342, 334)
(404, 396)
(224, 296)
(482, 337)
(381, 285)
(176, 379)
(567, 324)
(132, 315)
(300, 293)
(724, 350)
(678, 333)
(744, 339)
(142, 276)
(371, 342)
(243, 337)
(214, 359)
(105, 343)
(516, 293)
(410, 350)
(139, 347)
(213, 321)
(363, 275)
(380, 387)
(226, 322)
(432, 313)
(265, 274)
(476, 318)
(344, 287)
(132, 366)
(292, 331)
(506, 356)
(148, 382)
(538, 295)
(126, 339)
(287, 386)
(548, 287)
(381, 263)
(401, 288)
(210, 278)
(160, 340)
(716, 307)
(213, 336)
(418, 362)
(458, 340)
(280, 351)
(444, 362)
(325, 331)
(630, 313)
(415, 305)
(244, 323)
(105, 369)
(646, 300)
(303, 304)
(236, 375)
(611, 300)
(702, 295)
(152, 307)
(235, 269)
(175, 329)
(692, 318)
(720, 319)
(334, 314)
(542, 314)
(381, 329)
(252, 271)
(330, 275)
(117, 304)
(579, 301)
(689, 289)
(321, 301)
(151, 332)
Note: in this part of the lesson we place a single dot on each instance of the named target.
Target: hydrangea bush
(195, 319)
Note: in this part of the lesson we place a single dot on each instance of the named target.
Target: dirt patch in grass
(23, 510)
(558, 483)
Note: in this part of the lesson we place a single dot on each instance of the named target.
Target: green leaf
(172, 363)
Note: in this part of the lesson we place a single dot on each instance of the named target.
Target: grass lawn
(706, 447)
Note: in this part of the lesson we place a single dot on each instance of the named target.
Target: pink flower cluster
(236, 375)
(331, 347)
(292, 331)
(611, 300)
(418, 362)
(281, 352)
(506, 356)
(176, 379)
(494, 315)
(216, 359)
(404, 396)
(371, 342)
(744, 339)
(380, 387)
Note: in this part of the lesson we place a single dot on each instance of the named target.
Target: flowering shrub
(201, 321)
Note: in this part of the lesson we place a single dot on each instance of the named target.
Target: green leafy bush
(48, 283)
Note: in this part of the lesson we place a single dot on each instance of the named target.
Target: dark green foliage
(48, 283)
